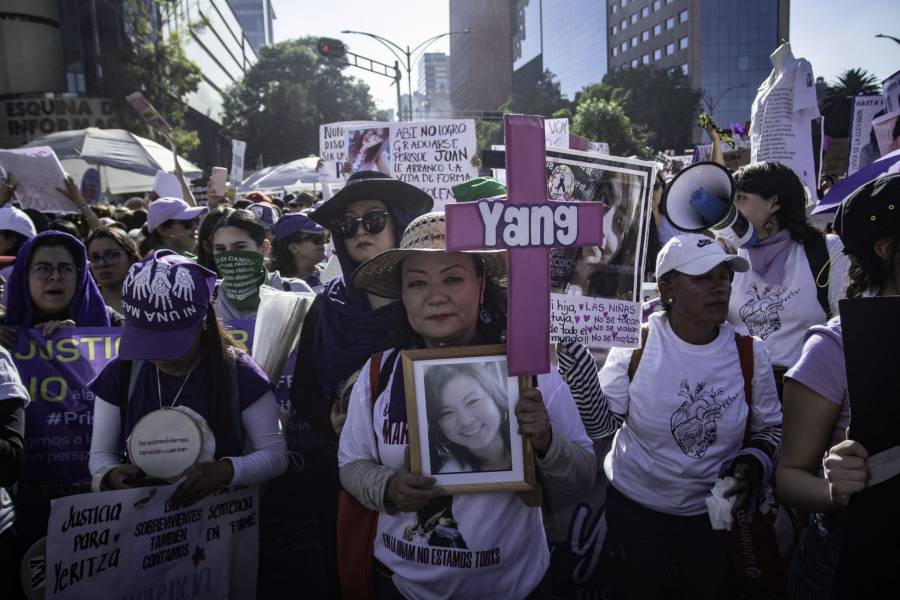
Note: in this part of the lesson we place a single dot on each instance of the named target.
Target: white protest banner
(133, 544)
(167, 185)
(238, 148)
(887, 132)
(597, 289)
(434, 156)
(556, 133)
(37, 173)
(862, 152)
(891, 91)
(595, 322)
(333, 148)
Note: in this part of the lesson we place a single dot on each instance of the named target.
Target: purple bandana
(767, 258)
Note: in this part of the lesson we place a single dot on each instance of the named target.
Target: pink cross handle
(527, 225)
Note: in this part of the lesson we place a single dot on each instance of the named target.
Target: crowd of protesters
(740, 374)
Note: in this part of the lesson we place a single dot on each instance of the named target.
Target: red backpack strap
(745, 355)
(638, 352)
(374, 372)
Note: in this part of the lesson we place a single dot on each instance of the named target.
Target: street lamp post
(711, 105)
(405, 57)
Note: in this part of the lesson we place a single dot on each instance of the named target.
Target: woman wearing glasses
(111, 252)
(300, 248)
(50, 288)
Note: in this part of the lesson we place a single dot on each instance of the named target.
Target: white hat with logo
(13, 219)
(695, 254)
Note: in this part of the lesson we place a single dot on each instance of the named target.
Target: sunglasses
(373, 222)
(316, 238)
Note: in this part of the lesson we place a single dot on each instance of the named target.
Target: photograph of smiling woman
(468, 418)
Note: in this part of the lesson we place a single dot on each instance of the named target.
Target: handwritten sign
(37, 173)
(595, 322)
(134, 544)
(238, 149)
(556, 133)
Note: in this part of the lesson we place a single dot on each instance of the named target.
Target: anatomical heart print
(694, 423)
(761, 312)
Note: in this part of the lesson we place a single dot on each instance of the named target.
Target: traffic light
(331, 48)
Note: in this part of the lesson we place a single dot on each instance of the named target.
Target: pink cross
(527, 230)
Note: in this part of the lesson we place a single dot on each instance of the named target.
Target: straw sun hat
(380, 275)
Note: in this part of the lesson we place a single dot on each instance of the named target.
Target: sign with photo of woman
(369, 149)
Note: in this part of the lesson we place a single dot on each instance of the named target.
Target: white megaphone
(701, 197)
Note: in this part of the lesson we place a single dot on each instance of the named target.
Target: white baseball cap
(172, 209)
(13, 219)
(695, 254)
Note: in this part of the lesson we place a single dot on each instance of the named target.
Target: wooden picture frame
(461, 366)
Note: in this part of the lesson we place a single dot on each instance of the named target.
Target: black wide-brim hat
(373, 185)
(870, 213)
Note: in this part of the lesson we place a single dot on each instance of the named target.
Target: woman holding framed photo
(429, 544)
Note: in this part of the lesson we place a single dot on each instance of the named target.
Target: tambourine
(165, 442)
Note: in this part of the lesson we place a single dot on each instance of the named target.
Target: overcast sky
(834, 35)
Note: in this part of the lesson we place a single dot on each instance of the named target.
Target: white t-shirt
(780, 118)
(474, 545)
(685, 416)
(781, 315)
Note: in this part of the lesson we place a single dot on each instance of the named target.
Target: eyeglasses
(110, 257)
(43, 271)
(317, 238)
(373, 222)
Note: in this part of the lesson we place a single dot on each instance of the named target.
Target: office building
(480, 61)
(255, 17)
(565, 37)
(432, 97)
(722, 45)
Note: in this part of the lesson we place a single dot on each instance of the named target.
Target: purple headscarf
(86, 308)
(349, 330)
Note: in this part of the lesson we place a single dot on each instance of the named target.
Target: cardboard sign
(238, 148)
(133, 544)
(556, 133)
(148, 112)
(38, 174)
(530, 223)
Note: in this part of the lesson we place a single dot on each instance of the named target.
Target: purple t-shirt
(252, 384)
(821, 368)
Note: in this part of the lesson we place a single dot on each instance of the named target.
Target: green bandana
(242, 273)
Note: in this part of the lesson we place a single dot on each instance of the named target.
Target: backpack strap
(817, 257)
(235, 401)
(638, 352)
(374, 376)
(745, 355)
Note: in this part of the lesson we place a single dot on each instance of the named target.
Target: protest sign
(148, 112)
(595, 322)
(238, 148)
(887, 132)
(434, 156)
(38, 174)
(556, 133)
(167, 185)
(333, 148)
(598, 147)
(368, 149)
(90, 186)
(134, 544)
(862, 151)
(891, 92)
(527, 224)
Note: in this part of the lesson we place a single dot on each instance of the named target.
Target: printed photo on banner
(887, 132)
(891, 90)
(369, 149)
(461, 414)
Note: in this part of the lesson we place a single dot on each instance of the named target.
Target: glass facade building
(568, 36)
(256, 18)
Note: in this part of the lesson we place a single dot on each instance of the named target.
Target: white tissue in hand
(719, 506)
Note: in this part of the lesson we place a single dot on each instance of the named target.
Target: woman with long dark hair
(797, 274)
(190, 363)
(367, 151)
(111, 252)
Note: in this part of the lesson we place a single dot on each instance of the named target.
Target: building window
(670, 49)
(645, 12)
(657, 54)
(624, 46)
(645, 35)
(623, 3)
(615, 8)
(682, 43)
(615, 51)
(634, 18)
(670, 23)
(668, 1)
(634, 62)
(657, 29)
(683, 16)
(623, 25)
(684, 68)
(645, 59)
(615, 29)
(657, 4)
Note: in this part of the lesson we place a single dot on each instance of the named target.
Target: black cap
(869, 214)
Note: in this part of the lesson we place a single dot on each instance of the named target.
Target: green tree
(155, 63)
(659, 100)
(537, 96)
(605, 120)
(836, 105)
(281, 101)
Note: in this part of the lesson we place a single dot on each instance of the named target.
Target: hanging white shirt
(780, 315)
(684, 415)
